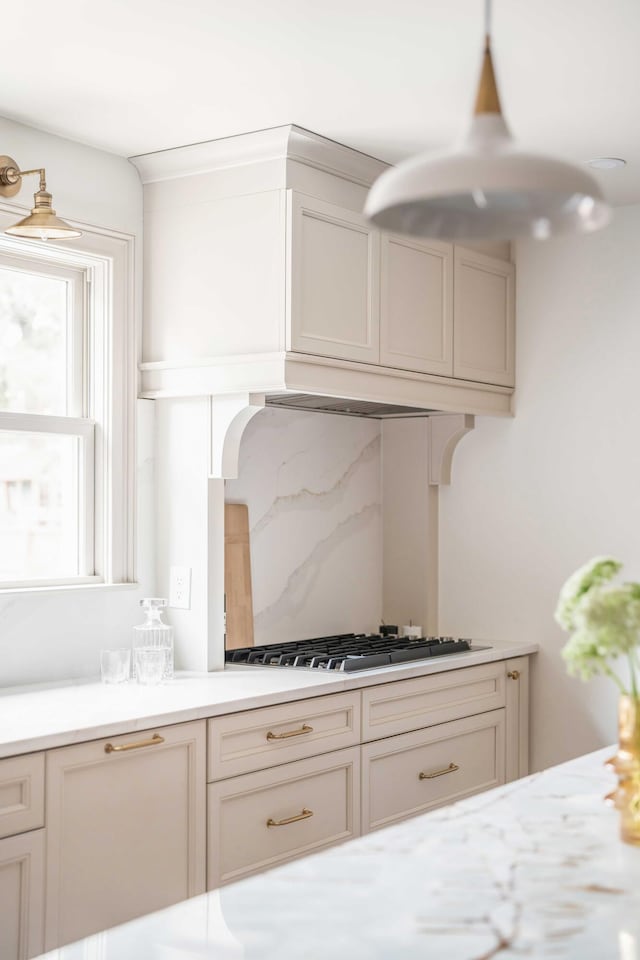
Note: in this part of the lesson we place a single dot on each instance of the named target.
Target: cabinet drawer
(262, 819)
(411, 704)
(21, 794)
(414, 772)
(257, 739)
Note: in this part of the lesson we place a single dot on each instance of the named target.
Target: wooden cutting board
(237, 576)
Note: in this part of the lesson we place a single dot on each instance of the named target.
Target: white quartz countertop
(531, 869)
(52, 715)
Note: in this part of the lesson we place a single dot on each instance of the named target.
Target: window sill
(66, 588)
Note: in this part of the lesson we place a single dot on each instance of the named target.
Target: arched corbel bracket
(230, 415)
(445, 432)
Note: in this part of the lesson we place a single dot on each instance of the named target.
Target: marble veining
(532, 869)
(313, 487)
(289, 614)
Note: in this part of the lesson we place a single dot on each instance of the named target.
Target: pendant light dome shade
(486, 188)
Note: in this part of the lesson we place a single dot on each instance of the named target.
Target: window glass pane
(38, 506)
(33, 343)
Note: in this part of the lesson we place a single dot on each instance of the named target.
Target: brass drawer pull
(305, 728)
(439, 773)
(514, 674)
(282, 823)
(120, 747)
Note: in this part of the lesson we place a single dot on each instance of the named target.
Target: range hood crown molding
(282, 374)
(287, 143)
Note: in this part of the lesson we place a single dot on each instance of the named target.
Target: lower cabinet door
(414, 772)
(22, 896)
(260, 819)
(125, 828)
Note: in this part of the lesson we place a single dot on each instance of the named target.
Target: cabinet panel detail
(333, 271)
(410, 704)
(125, 829)
(256, 739)
(22, 896)
(262, 819)
(517, 699)
(21, 794)
(414, 772)
(416, 305)
(484, 319)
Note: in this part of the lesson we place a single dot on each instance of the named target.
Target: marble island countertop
(531, 869)
(52, 715)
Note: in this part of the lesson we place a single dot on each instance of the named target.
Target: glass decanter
(154, 633)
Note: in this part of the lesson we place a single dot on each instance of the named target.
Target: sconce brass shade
(42, 223)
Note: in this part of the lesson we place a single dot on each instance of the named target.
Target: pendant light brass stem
(487, 98)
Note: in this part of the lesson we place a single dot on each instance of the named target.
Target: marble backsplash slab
(312, 483)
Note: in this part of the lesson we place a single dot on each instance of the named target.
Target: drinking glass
(150, 664)
(115, 665)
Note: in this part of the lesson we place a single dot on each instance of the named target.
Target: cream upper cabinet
(396, 302)
(483, 319)
(333, 281)
(416, 305)
(125, 828)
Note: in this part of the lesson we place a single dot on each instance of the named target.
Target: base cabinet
(22, 896)
(126, 828)
(262, 819)
(415, 772)
(105, 831)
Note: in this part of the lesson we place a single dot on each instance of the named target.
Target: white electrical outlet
(180, 588)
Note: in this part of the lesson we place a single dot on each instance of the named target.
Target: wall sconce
(42, 223)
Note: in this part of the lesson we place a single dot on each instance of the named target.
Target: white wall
(312, 483)
(59, 635)
(534, 497)
(87, 184)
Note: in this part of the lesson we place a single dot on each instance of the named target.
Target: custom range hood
(263, 278)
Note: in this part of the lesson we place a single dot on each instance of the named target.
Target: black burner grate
(347, 652)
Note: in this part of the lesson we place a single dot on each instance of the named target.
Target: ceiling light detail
(42, 223)
(486, 187)
(606, 163)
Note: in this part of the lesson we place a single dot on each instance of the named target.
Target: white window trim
(113, 342)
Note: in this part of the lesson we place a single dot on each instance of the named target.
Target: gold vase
(626, 764)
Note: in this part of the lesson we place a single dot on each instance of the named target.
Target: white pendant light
(486, 188)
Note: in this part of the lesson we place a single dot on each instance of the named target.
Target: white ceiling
(388, 77)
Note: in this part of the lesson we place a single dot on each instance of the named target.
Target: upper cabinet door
(333, 268)
(484, 319)
(416, 305)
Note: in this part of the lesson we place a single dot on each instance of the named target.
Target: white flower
(603, 618)
(596, 571)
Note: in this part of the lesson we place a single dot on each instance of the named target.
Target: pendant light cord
(487, 23)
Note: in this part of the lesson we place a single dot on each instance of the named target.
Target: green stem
(616, 679)
(632, 670)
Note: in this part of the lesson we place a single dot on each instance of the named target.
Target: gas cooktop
(350, 651)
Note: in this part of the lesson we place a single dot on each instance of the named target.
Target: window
(66, 413)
